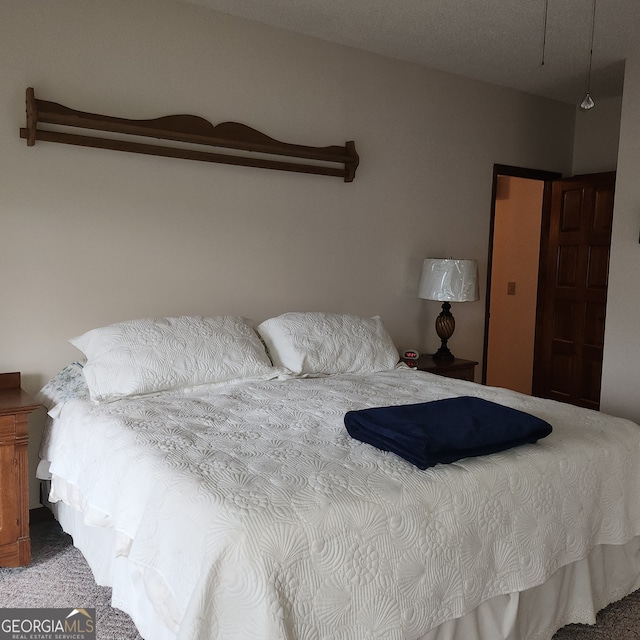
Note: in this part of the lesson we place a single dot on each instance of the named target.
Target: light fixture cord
(593, 26)
(544, 31)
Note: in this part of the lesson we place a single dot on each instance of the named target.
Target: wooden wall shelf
(338, 161)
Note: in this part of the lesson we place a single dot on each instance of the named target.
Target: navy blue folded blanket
(447, 430)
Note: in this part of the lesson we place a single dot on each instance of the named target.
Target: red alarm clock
(410, 356)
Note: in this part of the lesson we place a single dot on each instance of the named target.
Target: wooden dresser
(15, 407)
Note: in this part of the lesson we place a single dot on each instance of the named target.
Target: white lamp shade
(449, 280)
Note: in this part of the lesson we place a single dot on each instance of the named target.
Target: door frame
(532, 174)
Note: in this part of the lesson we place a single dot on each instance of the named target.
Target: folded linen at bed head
(446, 430)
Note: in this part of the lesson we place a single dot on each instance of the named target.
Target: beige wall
(516, 253)
(597, 132)
(621, 366)
(90, 237)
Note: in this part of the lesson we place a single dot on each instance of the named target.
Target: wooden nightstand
(457, 368)
(15, 407)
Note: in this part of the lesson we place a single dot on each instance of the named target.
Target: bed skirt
(574, 594)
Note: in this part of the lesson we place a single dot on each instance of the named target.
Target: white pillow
(157, 354)
(328, 343)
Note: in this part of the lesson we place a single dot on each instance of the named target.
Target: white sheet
(252, 514)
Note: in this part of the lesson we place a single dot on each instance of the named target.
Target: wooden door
(572, 291)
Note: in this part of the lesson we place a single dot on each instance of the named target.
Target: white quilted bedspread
(254, 515)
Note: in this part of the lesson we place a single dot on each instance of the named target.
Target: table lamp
(448, 280)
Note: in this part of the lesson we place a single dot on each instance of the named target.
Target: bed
(204, 469)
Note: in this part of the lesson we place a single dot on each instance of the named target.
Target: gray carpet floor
(58, 576)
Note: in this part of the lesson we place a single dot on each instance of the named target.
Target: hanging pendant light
(587, 102)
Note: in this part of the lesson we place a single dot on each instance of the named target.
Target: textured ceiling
(497, 41)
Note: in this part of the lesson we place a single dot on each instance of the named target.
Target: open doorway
(514, 283)
(547, 339)
(517, 234)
